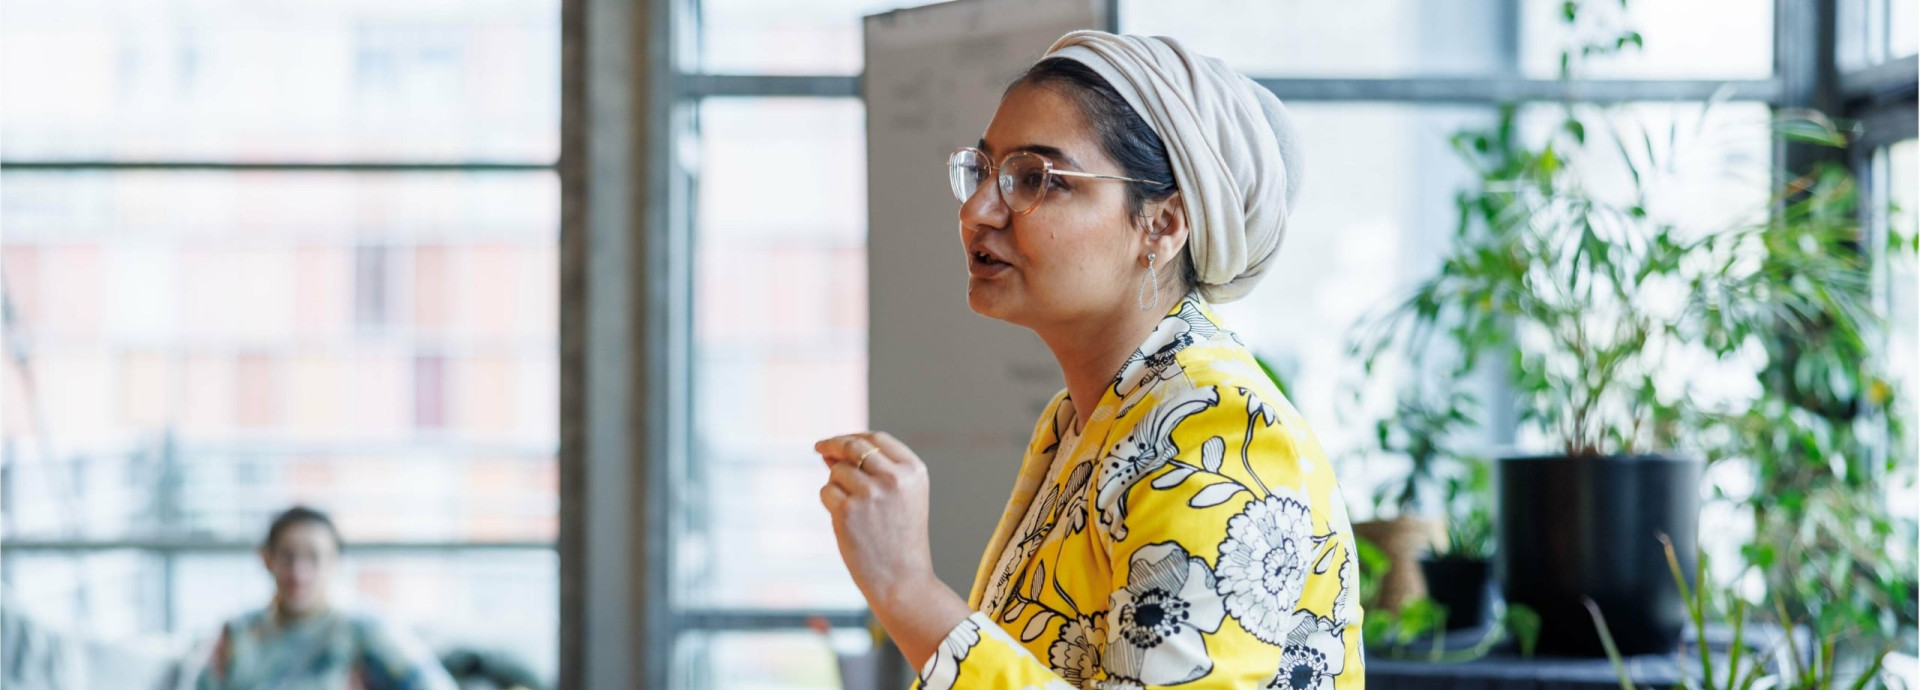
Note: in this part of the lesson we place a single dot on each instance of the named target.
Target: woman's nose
(984, 209)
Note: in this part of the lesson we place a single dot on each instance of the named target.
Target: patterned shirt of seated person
(330, 650)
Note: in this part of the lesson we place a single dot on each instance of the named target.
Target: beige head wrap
(1235, 152)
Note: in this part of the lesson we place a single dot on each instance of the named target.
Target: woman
(1175, 523)
(301, 642)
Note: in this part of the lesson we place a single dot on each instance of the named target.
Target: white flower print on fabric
(1314, 654)
(1039, 518)
(1020, 551)
(1157, 359)
(1043, 520)
(1063, 419)
(944, 667)
(1074, 514)
(1157, 623)
(1263, 563)
(1348, 599)
(1036, 532)
(1149, 447)
(1076, 656)
(1260, 408)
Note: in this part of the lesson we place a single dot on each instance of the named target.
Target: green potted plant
(1592, 302)
(1562, 283)
(1418, 629)
(1459, 576)
(1578, 293)
(1406, 525)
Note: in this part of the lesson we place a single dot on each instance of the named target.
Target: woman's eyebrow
(1051, 152)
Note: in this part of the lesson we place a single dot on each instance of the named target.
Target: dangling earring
(1140, 295)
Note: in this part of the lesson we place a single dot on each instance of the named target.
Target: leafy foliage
(1781, 665)
(1819, 438)
(1469, 500)
(1419, 430)
(1609, 315)
(1419, 629)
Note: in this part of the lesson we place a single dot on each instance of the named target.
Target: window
(779, 359)
(265, 254)
(1896, 169)
(1873, 32)
(762, 37)
(1368, 38)
(1714, 39)
(1877, 45)
(780, 318)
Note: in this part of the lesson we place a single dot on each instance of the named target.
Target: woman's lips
(984, 265)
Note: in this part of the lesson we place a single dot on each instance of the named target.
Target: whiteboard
(962, 390)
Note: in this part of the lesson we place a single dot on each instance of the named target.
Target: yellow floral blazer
(1191, 535)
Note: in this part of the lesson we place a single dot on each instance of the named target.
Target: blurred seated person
(300, 641)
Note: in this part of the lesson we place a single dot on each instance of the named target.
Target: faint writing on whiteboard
(996, 440)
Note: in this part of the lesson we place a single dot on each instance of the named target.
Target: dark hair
(299, 515)
(1124, 136)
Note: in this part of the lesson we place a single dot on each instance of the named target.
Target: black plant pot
(1572, 528)
(1461, 585)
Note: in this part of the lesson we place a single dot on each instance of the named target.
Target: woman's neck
(1091, 351)
(293, 614)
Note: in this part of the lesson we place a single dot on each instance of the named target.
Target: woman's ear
(1167, 226)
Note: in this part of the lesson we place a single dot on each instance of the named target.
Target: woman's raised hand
(876, 491)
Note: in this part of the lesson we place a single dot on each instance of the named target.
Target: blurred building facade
(264, 254)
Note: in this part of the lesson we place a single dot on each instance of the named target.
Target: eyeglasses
(1024, 177)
